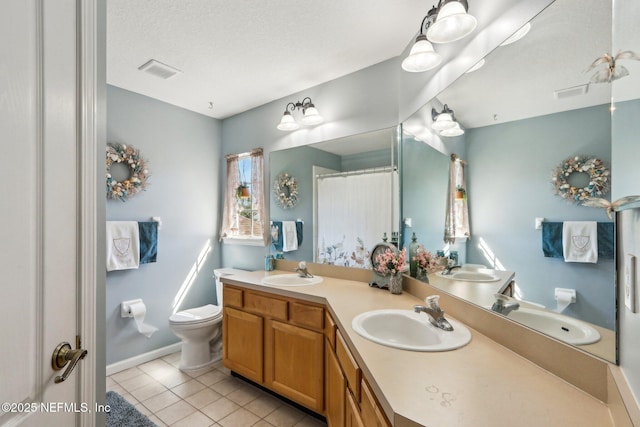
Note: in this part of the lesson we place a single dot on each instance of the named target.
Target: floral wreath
(138, 173)
(598, 178)
(285, 189)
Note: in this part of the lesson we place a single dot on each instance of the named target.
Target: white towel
(289, 236)
(123, 245)
(580, 241)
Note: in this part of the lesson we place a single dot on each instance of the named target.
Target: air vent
(159, 69)
(571, 91)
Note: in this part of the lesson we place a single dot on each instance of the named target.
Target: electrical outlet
(630, 282)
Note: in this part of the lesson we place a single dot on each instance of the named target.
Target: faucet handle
(433, 301)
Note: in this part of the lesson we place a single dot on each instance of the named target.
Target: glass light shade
(422, 57)
(518, 34)
(452, 23)
(287, 123)
(443, 121)
(455, 130)
(311, 117)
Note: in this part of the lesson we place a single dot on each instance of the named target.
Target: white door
(45, 224)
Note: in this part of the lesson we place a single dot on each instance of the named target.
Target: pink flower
(391, 261)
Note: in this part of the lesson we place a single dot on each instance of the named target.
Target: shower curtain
(353, 213)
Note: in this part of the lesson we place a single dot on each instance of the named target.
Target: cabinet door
(294, 363)
(335, 386)
(353, 418)
(243, 343)
(371, 412)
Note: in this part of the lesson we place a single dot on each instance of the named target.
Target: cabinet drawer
(267, 306)
(349, 366)
(306, 315)
(232, 296)
(330, 328)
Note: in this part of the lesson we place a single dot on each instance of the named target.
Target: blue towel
(552, 240)
(148, 241)
(276, 234)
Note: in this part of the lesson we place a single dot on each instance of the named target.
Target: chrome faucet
(435, 313)
(302, 270)
(450, 266)
(504, 305)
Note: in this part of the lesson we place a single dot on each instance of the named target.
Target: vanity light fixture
(445, 122)
(310, 115)
(456, 130)
(445, 23)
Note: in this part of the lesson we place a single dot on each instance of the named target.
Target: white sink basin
(407, 330)
(470, 276)
(291, 279)
(564, 328)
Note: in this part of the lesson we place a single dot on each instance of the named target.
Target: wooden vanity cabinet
(276, 341)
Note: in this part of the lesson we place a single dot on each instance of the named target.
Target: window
(243, 216)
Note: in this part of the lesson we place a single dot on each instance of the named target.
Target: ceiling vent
(159, 69)
(571, 91)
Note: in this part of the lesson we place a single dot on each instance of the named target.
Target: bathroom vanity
(271, 332)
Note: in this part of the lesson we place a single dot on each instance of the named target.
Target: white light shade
(422, 57)
(443, 121)
(452, 23)
(456, 130)
(287, 123)
(311, 117)
(518, 34)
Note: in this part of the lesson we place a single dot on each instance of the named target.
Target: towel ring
(136, 181)
(597, 186)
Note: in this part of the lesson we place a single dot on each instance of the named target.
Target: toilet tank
(218, 273)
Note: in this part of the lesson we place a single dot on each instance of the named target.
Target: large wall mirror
(348, 191)
(530, 107)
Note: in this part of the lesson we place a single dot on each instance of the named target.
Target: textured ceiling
(240, 54)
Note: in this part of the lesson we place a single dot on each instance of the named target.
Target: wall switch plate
(539, 223)
(407, 222)
(629, 284)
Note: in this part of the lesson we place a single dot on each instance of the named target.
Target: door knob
(62, 355)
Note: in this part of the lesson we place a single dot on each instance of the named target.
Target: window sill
(246, 241)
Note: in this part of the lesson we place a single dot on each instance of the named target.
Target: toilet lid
(196, 315)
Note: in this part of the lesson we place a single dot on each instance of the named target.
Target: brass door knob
(62, 355)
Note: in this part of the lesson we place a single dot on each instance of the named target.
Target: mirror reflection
(348, 196)
(528, 109)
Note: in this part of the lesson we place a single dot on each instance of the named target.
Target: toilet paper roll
(563, 299)
(138, 311)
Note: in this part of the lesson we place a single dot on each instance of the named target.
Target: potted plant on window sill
(242, 191)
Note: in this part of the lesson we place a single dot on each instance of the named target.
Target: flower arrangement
(427, 261)
(285, 189)
(391, 261)
(598, 178)
(138, 173)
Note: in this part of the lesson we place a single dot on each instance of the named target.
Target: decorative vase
(395, 283)
(422, 275)
(413, 250)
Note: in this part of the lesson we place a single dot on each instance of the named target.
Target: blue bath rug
(124, 414)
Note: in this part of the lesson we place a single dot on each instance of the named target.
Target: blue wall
(182, 149)
(509, 172)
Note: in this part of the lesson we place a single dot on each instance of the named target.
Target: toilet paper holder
(571, 292)
(125, 307)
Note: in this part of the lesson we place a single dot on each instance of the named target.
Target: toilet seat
(193, 316)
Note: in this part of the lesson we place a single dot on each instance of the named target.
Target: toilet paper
(564, 297)
(138, 311)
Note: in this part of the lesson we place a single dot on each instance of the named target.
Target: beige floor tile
(224, 370)
(241, 417)
(197, 372)
(170, 358)
(157, 421)
(126, 374)
(143, 409)
(285, 416)
(129, 398)
(187, 389)
(111, 382)
(226, 386)
(203, 398)
(154, 365)
(219, 409)
(150, 390)
(172, 378)
(262, 423)
(263, 405)
(197, 419)
(211, 377)
(117, 388)
(175, 412)
(244, 394)
(137, 382)
(160, 401)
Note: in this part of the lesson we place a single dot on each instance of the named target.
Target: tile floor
(207, 397)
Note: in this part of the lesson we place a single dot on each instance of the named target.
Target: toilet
(200, 329)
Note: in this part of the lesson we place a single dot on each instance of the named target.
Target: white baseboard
(142, 358)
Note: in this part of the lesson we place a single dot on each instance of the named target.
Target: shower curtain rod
(358, 172)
